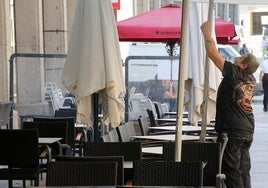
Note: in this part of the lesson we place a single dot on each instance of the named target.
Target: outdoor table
(185, 128)
(153, 150)
(126, 186)
(168, 137)
(172, 119)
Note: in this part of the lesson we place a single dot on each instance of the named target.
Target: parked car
(228, 52)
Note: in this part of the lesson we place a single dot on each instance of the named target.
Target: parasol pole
(204, 105)
(181, 79)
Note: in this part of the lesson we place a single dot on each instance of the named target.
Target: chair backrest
(69, 102)
(144, 125)
(164, 108)
(167, 173)
(131, 151)
(126, 131)
(118, 159)
(158, 110)
(65, 173)
(5, 108)
(20, 148)
(71, 126)
(20, 151)
(50, 129)
(113, 135)
(151, 118)
(66, 112)
(105, 138)
(208, 152)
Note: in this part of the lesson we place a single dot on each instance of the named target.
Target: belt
(237, 132)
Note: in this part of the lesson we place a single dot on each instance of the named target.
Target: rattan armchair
(118, 159)
(65, 173)
(167, 173)
(19, 152)
(70, 139)
(208, 152)
(130, 150)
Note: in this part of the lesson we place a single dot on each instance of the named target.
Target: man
(263, 80)
(244, 50)
(234, 114)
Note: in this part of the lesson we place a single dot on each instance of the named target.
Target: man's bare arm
(211, 47)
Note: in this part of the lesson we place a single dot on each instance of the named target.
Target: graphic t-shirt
(236, 84)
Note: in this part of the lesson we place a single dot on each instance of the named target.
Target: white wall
(126, 11)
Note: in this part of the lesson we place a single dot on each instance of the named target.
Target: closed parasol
(93, 63)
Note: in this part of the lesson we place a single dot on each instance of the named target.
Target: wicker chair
(80, 133)
(167, 173)
(105, 138)
(51, 129)
(126, 131)
(130, 150)
(114, 135)
(70, 131)
(208, 152)
(118, 159)
(158, 122)
(144, 126)
(65, 173)
(19, 151)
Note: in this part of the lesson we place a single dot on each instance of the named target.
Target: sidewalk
(259, 148)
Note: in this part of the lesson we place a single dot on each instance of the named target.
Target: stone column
(29, 72)
(41, 26)
(5, 49)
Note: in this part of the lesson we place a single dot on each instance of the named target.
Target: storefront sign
(116, 4)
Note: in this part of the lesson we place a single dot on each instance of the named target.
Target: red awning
(164, 24)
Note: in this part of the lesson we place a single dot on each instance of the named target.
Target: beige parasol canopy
(195, 84)
(94, 64)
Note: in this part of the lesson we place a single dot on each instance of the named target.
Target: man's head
(248, 63)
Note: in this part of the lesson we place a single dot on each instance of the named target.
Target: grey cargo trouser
(236, 162)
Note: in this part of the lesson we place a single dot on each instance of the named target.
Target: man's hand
(205, 27)
(244, 104)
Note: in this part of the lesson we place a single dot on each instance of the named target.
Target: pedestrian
(244, 50)
(263, 80)
(265, 31)
(234, 113)
(264, 45)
